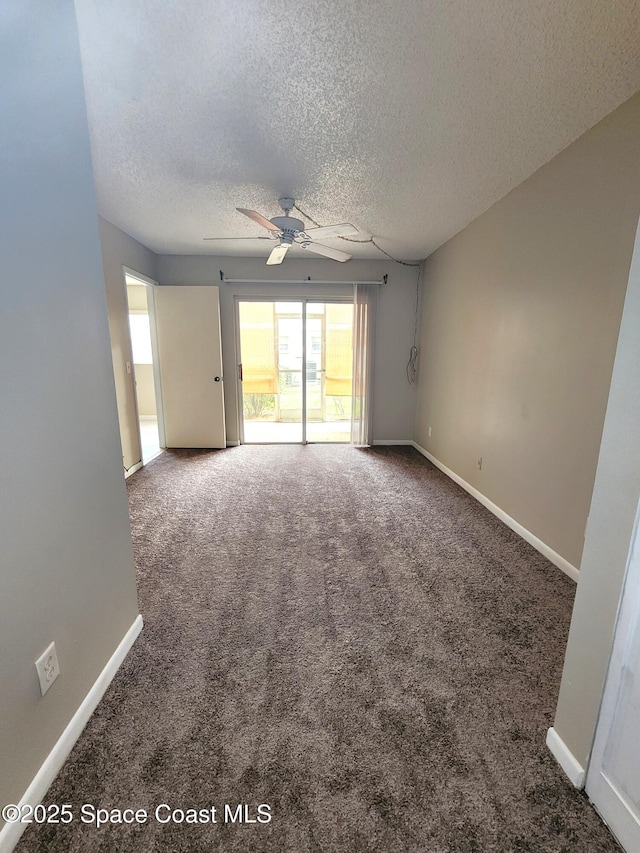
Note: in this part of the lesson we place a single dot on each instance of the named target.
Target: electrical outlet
(48, 668)
(429, 432)
(480, 464)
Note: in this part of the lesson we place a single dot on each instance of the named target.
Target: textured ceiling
(407, 119)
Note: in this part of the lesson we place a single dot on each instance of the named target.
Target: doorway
(295, 373)
(144, 366)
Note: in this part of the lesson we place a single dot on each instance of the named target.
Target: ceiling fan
(289, 230)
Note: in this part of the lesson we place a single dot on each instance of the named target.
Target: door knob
(217, 378)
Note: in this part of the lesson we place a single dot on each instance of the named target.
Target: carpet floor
(343, 637)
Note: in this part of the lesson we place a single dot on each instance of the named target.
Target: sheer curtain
(364, 321)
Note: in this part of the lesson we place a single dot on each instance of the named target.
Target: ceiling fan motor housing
(287, 224)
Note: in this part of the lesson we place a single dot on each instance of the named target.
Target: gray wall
(118, 250)
(67, 566)
(521, 318)
(394, 398)
(609, 533)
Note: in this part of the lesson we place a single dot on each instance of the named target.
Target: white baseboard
(11, 832)
(551, 555)
(566, 759)
(233, 444)
(129, 471)
(393, 441)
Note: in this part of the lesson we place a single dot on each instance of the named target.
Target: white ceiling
(407, 118)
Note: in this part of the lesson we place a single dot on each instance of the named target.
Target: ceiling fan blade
(227, 239)
(258, 218)
(328, 252)
(331, 231)
(278, 254)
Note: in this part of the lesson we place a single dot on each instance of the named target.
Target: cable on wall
(412, 364)
(352, 240)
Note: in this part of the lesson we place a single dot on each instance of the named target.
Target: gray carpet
(343, 635)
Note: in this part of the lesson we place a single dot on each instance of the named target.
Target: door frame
(284, 297)
(151, 285)
(602, 791)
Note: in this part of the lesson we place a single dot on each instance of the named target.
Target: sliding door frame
(284, 297)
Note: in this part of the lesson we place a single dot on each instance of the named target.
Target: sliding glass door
(296, 370)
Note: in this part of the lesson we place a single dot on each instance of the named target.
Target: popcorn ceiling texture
(407, 119)
(345, 635)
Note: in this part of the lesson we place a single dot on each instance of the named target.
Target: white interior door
(190, 354)
(613, 780)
